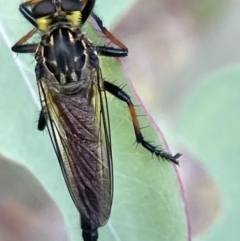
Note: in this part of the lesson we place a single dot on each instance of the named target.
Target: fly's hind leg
(121, 95)
(20, 47)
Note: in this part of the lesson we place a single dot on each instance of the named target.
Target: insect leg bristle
(122, 86)
(140, 115)
(137, 106)
(144, 127)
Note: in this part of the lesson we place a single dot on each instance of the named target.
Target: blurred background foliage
(184, 63)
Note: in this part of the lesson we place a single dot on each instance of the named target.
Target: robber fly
(74, 103)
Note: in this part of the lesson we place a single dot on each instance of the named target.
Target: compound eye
(71, 5)
(43, 9)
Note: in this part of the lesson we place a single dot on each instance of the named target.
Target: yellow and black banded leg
(121, 95)
(121, 51)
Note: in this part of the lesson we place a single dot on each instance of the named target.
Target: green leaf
(148, 201)
(209, 123)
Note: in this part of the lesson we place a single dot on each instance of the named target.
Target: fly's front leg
(121, 51)
(121, 95)
(86, 11)
(20, 47)
(26, 13)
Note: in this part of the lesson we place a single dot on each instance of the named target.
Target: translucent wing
(78, 125)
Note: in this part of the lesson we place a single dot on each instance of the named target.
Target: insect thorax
(66, 54)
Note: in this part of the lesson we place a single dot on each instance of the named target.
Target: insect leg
(87, 9)
(122, 51)
(120, 94)
(42, 121)
(108, 34)
(28, 14)
(20, 47)
(111, 52)
(31, 3)
(88, 233)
